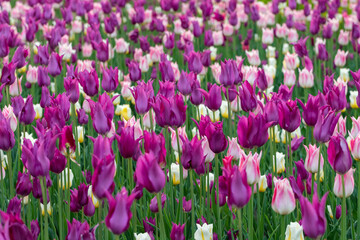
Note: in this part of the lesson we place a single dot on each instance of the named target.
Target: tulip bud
(283, 200)
(348, 181)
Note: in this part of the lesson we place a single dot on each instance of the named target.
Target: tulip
(55, 65)
(312, 159)
(247, 97)
(336, 98)
(90, 82)
(127, 144)
(325, 125)
(234, 149)
(283, 200)
(35, 159)
(8, 73)
(340, 58)
(194, 62)
(300, 47)
(310, 110)
(170, 112)
(177, 232)
(253, 57)
(154, 204)
(23, 185)
(229, 73)
(58, 162)
(20, 56)
(289, 115)
(83, 118)
(251, 164)
(313, 216)
(67, 143)
(7, 139)
(103, 178)
(339, 154)
(306, 78)
(348, 184)
(134, 71)
(71, 86)
(119, 215)
(213, 98)
(294, 231)
(355, 147)
(149, 174)
(102, 50)
(261, 80)
(110, 79)
(253, 130)
(101, 120)
(143, 93)
(78, 230)
(204, 232)
(215, 136)
(192, 153)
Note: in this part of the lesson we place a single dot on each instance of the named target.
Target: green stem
(282, 229)
(251, 215)
(100, 219)
(318, 173)
(240, 235)
(218, 219)
(358, 200)
(181, 185)
(193, 223)
(9, 161)
(312, 185)
(44, 196)
(229, 111)
(162, 228)
(343, 211)
(60, 207)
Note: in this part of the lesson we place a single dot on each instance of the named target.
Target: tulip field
(179, 119)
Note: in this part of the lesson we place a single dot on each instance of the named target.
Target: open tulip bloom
(169, 119)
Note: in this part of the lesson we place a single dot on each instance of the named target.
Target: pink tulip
(143, 64)
(355, 130)
(312, 159)
(87, 50)
(306, 78)
(218, 38)
(291, 61)
(349, 184)
(292, 35)
(10, 116)
(340, 58)
(289, 77)
(228, 29)
(283, 200)
(121, 46)
(344, 38)
(155, 53)
(209, 155)
(234, 149)
(251, 164)
(340, 127)
(281, 30)
(15, 89)
(355, 147)
(253, 57)
(250, 73)
(32, 74)
(267, 36)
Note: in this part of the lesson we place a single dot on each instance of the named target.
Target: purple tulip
(167, 72)
(323, 54)
(119, 215)
(144, 43)
(215, 135)
(27, 113)
(7, 139)
(247, 97)
(78, 230)
(310, 110)
(253, 130)
(55, 65)
(295, 143)
(67, 143)
(8, 73)
(313, 216)
(301, 169)
(43, 55)
(71, 86)
(134, 71)
(101, 122)
(23, 185)
(127, 144)
(213, 98)
(325, 125)
(103, 179)
(45, 100)
(284, 93)
(110, 79)
(192, 153)
(155, 144)
(154, 204)
(229, 73)
(102, 50)
(102, 148)
(194, 62)
(186, 83)
(261, 80)
(90, 82)
(238, 189)
(289, 115)
(35, 159)
(58, 162)
(339, 154)
(170, 112)
(336, 98)
(83, 118)
(19, 58)
(208, 38)
(149, 174)
(43, 76)
(271, 112)
(177, 232)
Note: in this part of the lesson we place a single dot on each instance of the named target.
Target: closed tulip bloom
(7, 139)
(271, 112)
(213, 98)
(340, 58)
(71, 86)
(170, 111)
(153, 203)
(127, 144)
(261, 80)
(55, 65)
(23, 184)
(103, 179)
(325, 125)
(289, 115)
(27, 113)
(78, 230)
(313, 216)
(253, 57)
(310, 110)
(336, 98)
(134, 71)
(234, 149)
(229, 73)
(35, 159)
(90, 82)
(186, 82)
(110, 79)
(102, 50)
(248, 98)
(102, 148)
(300, 47)
(83, 118)
(167, 72)
(101, 122)
(283, 200)
(239, 191)
(306, 78)
(43, 76)
(216, 137)
(348, 181)
(149, 174)
(312, 159)
(339, 154)
(119, 215)
(251, 164)
(192, 153)
(194, 62)
(66, 140)
(355, 147)
(323, 53)
(177, 232)
(253, 130)
(294, 232)
(8, 73)
(58, 162)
